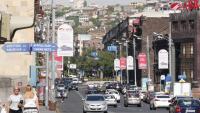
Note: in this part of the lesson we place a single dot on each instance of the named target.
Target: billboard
(142, 61)
(65, 40)
(83, 37)
(162, 59)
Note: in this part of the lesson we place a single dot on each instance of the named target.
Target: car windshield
(95, 98)
(61, 85)
(163, 96)
(109, 97)
(189, 102)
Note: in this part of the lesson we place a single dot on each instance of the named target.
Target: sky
(97, 2)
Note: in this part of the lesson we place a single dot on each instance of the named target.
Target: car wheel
(125, 105)
(118, 101)
(84, 111)
(105, 111)
(115, 106)
(154, 108)
(139, 105)
(77, 89)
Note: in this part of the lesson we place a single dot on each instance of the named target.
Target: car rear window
(95, 98)
(162, 96)
(189, 103)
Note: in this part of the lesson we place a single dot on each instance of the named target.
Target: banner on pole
(65, 40)
(116, 64)
(122, 63)
(142, 61)
(162, 59)
(129, 61)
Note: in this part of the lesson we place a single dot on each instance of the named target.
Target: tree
(88, 63)
(96, 22)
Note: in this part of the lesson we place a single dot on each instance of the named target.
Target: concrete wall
(14, 67)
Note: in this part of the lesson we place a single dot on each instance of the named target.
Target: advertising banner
(142, 61)
(116, 64)
(129, 63)
(122, 63)
(162, 59)
(65, 40)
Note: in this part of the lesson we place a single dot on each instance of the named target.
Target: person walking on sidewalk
(14, 101)
(31, 104)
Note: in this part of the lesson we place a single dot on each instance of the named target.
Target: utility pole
(134, 60)
(120, 52)
(53, 41)
(127, 72)
(148, 59)
(47, 67)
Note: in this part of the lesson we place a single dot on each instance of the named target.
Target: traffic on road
(107, 98)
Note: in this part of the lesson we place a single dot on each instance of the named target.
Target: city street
(73, 104)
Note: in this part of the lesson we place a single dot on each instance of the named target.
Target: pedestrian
(14, 101)
(62, 95)
(31, 104)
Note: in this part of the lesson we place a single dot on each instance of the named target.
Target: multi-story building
(186, 38)
(15, 66)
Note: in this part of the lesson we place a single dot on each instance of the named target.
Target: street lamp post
(127, 72)
(134, 61)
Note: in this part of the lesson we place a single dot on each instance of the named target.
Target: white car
(110, 99)
(60, 87)
(115, 94)
(95, 103)
(160, 101)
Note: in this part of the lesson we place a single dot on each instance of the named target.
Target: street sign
(16, 47)
(122, 63)
(48, 47)
(162, 77)
(112, 48)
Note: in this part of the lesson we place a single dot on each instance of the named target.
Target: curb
(57, 108)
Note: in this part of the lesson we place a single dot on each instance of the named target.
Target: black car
(73, 86)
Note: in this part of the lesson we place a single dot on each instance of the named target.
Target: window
(175, 26)
(183, 26)
(191, 25)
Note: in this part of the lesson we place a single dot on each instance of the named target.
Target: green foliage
(62, 12)
(87, 63)
(75, 18)
(96, 22)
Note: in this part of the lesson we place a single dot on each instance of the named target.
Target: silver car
(111, 101)
(132, 98)
(94, 103)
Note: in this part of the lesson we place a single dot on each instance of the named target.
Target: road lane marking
(80, 94)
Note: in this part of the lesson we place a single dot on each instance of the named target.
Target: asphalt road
(73, 104)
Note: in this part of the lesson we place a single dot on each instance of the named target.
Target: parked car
(94, 103)
(132, 98)
(160, 101)
(185, 105)
(111, 101)
(115, 94)
(73, 86)
(59, 92)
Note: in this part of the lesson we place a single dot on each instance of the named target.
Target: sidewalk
(44, 110)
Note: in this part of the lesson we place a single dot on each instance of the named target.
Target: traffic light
(10, 24)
